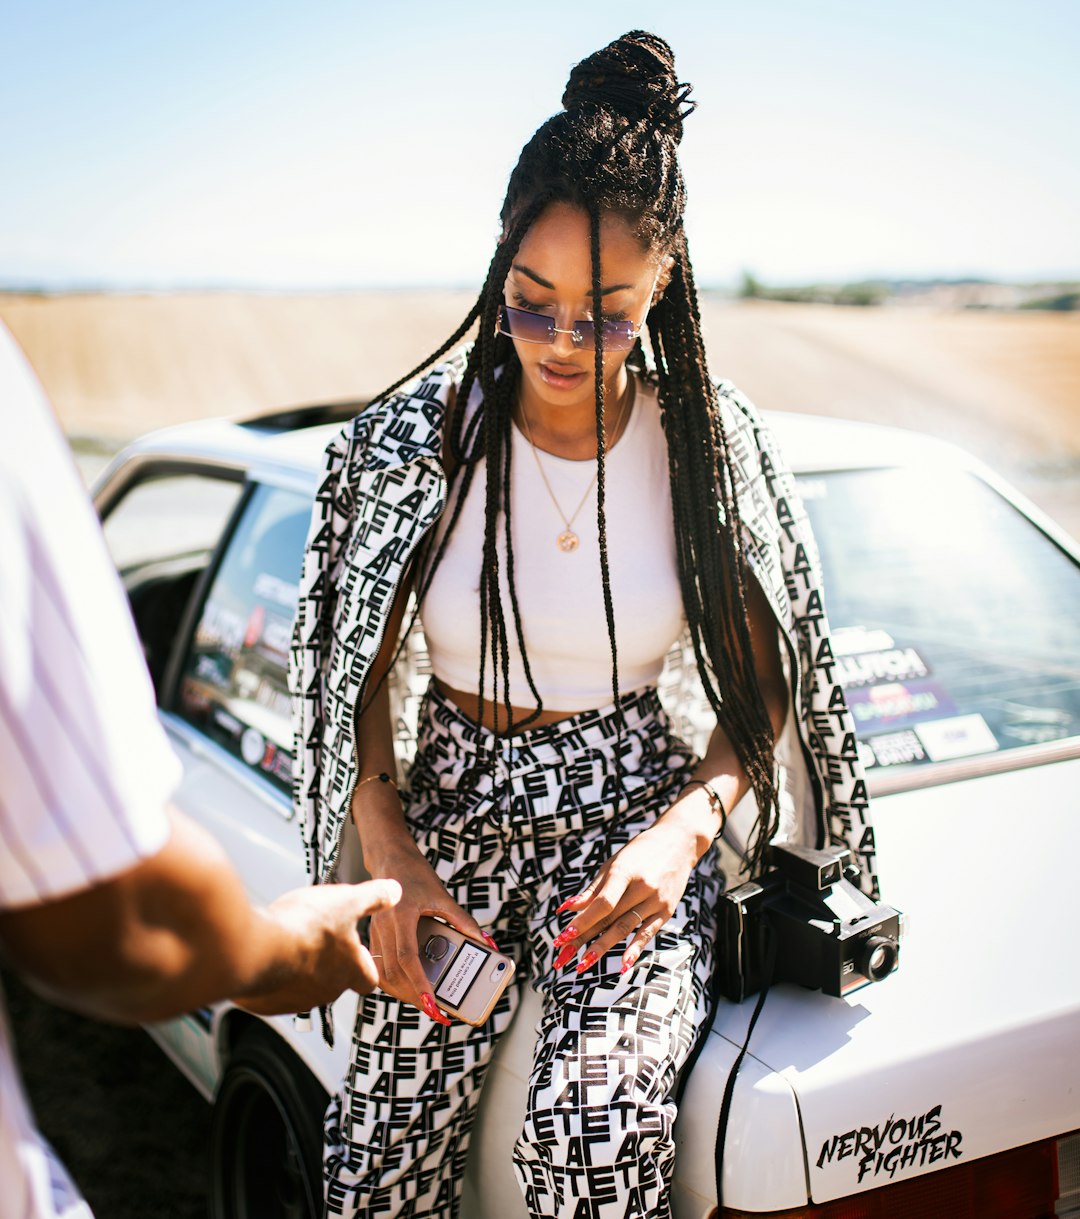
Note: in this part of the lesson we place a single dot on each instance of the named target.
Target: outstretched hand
(324, 952)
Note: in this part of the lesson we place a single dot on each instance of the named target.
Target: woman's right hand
(394, 941)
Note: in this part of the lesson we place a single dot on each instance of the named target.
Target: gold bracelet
(715, 803)
(382, 777)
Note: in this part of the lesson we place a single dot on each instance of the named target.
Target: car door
(210, 563)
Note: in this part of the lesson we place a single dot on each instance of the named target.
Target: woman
(563, 515)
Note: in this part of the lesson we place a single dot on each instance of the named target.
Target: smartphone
(466, 977)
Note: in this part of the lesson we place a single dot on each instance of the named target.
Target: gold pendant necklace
(568, 541)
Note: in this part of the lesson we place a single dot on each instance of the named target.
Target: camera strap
(729, 1090)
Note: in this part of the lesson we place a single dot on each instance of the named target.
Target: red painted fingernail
(628, 963)
(490, 940)
(564, 937)
(564, 957)
(427, 1002)
(568, 903)
(587, 961)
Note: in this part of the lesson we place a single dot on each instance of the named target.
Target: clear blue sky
(367, 143)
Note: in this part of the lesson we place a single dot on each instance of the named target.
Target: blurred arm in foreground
(111, 901)
(177, 932)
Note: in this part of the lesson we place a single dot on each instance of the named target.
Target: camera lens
(878, 957)
(436, 947)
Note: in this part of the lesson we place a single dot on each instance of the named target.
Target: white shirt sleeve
(85, 768)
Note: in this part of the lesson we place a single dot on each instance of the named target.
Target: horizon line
(729, 286)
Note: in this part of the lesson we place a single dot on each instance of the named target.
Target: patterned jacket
(383, 488)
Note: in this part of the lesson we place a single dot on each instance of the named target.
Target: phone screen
(460, 974)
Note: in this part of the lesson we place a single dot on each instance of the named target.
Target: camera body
(828, 934)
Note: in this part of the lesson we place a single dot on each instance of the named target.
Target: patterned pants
(510, 849)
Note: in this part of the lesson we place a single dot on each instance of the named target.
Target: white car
(950, 1088)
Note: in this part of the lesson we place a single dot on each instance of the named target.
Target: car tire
(266, 1134)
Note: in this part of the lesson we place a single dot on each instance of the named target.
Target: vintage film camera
(828, 935)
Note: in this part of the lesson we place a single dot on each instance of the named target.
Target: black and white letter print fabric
(511, 847)
(382, 487)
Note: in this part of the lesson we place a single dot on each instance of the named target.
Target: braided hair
(612, 150)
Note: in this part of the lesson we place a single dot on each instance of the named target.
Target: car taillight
(1068, 1164)
(1039, 1181)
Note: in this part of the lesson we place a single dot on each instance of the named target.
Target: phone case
(466, 977)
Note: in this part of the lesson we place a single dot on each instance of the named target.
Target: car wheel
(266, 1135)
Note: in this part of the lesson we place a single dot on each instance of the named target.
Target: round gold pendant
(567, 541)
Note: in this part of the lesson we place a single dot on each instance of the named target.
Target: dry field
(1004, 385)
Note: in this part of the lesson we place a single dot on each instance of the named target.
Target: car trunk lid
(970, 1048)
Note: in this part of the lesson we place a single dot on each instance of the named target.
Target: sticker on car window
(959, 737)
(213, 668)
(873, 668)
(229, 722)
(252, 746)
(274, 588)
(254, 629)
(895, 702)
(896, 748)
(277, 762)
(220, 628)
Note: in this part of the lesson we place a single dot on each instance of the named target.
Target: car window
(954, 617)
(233, 684)
(168, 516)
(162, 534)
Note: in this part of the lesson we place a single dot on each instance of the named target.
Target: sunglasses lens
(618, 336)
(527, 327)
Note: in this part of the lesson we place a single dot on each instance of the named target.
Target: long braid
(508, 499)
(601, 453)
(711, 561)
(601, 446)
(499, 397)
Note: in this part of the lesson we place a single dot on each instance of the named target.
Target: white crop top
(560, 595)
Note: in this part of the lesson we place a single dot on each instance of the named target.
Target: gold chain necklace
(568, 541)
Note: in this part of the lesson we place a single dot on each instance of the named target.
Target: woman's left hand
(630, 898)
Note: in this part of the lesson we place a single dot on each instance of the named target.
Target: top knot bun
(634, 76)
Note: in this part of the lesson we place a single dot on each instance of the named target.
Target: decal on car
(898, 701)
(896, 748)
(894, 1145)
(959, 737)
(871, 668)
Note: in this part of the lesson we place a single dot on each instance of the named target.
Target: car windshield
(955, 619)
